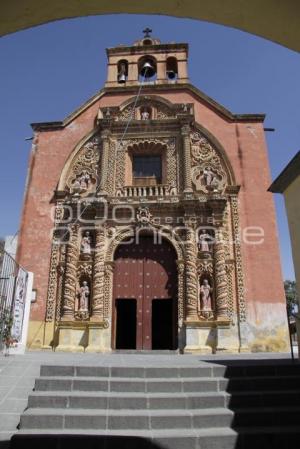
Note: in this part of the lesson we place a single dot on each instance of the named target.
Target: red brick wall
(245, 146)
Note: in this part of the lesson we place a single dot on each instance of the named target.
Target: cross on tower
(147, 32)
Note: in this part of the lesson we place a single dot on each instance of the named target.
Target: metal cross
(147, 32)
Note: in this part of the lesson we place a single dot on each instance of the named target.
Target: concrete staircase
(202, 407)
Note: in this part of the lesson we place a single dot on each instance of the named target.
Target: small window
(147, 170)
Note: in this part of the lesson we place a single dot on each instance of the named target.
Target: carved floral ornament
(147, 109)
(83, 175)
(208, 174)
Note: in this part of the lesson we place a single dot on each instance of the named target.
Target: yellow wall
(292, 204)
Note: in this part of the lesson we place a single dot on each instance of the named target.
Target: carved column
(104, 161)
(180, 274)
(71, 274)
(52, 285)
(108, 289)
(98, 285)
(220, 278)
(187, 179)
(191, 276)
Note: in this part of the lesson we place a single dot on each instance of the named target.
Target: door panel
(146, 271)
(126, 323)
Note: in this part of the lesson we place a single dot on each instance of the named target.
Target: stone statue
(205, 296)
(84, 297)
(84, 180)
(145, 115)
(143, 216)
(86, 244)
(76, 186)
(208, 176)
(204, 238)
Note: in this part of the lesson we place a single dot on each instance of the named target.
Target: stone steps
(120, 384)
(125, 400)
(205, 407)
(124, 419)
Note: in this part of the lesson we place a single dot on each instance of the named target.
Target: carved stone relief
(208, 174)
(238, 258)
(83, 175)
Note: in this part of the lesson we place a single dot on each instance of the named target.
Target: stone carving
(143, 216)
(84, 169)
(220, 278)
(162, 111)
(206, 293)
(81, 315)
(180, 274)
(85, 269)
(230, 301)
(70, 274)
(204, 240)
(191, 275)
(205, 267)
(108, 276)
(98, 285)
(60, 289)
(53, 274)
(110, 183)
(207, 172)
(187, 174)
(85, 246)
(145, 114)
(144, 144)
(120, 163)
(84, 295)
(172, 163)
(238, 257)
(128, 113)
(59, 213)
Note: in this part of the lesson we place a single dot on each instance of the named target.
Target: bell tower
(148, 61)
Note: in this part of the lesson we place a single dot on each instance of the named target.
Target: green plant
(5, 330)
(291, 295)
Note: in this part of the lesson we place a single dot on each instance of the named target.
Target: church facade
(147, 222)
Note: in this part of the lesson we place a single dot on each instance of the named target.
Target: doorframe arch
(129, 231)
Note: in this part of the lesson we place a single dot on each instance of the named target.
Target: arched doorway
(145, 306)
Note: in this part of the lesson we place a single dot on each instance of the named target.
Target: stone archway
(273, 20)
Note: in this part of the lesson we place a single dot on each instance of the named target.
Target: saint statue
(205, 296)
(84, 297)
(84, 180)
(203, 245)
(208, 176)
(145, 115)
(86, 243)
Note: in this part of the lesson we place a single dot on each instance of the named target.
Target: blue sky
(48, 71)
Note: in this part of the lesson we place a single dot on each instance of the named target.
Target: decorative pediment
(83, 171)
(147, 108)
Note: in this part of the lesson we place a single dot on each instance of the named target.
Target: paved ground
(18, 372)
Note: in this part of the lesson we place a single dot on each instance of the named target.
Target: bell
(148, 70)
(171, 74)
(121, 78)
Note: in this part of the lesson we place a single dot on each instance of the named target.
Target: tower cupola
(147, 61)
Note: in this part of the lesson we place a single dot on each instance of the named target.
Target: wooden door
(146, 272)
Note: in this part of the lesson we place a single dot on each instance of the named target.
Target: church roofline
(141, 48)
(55, 125)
